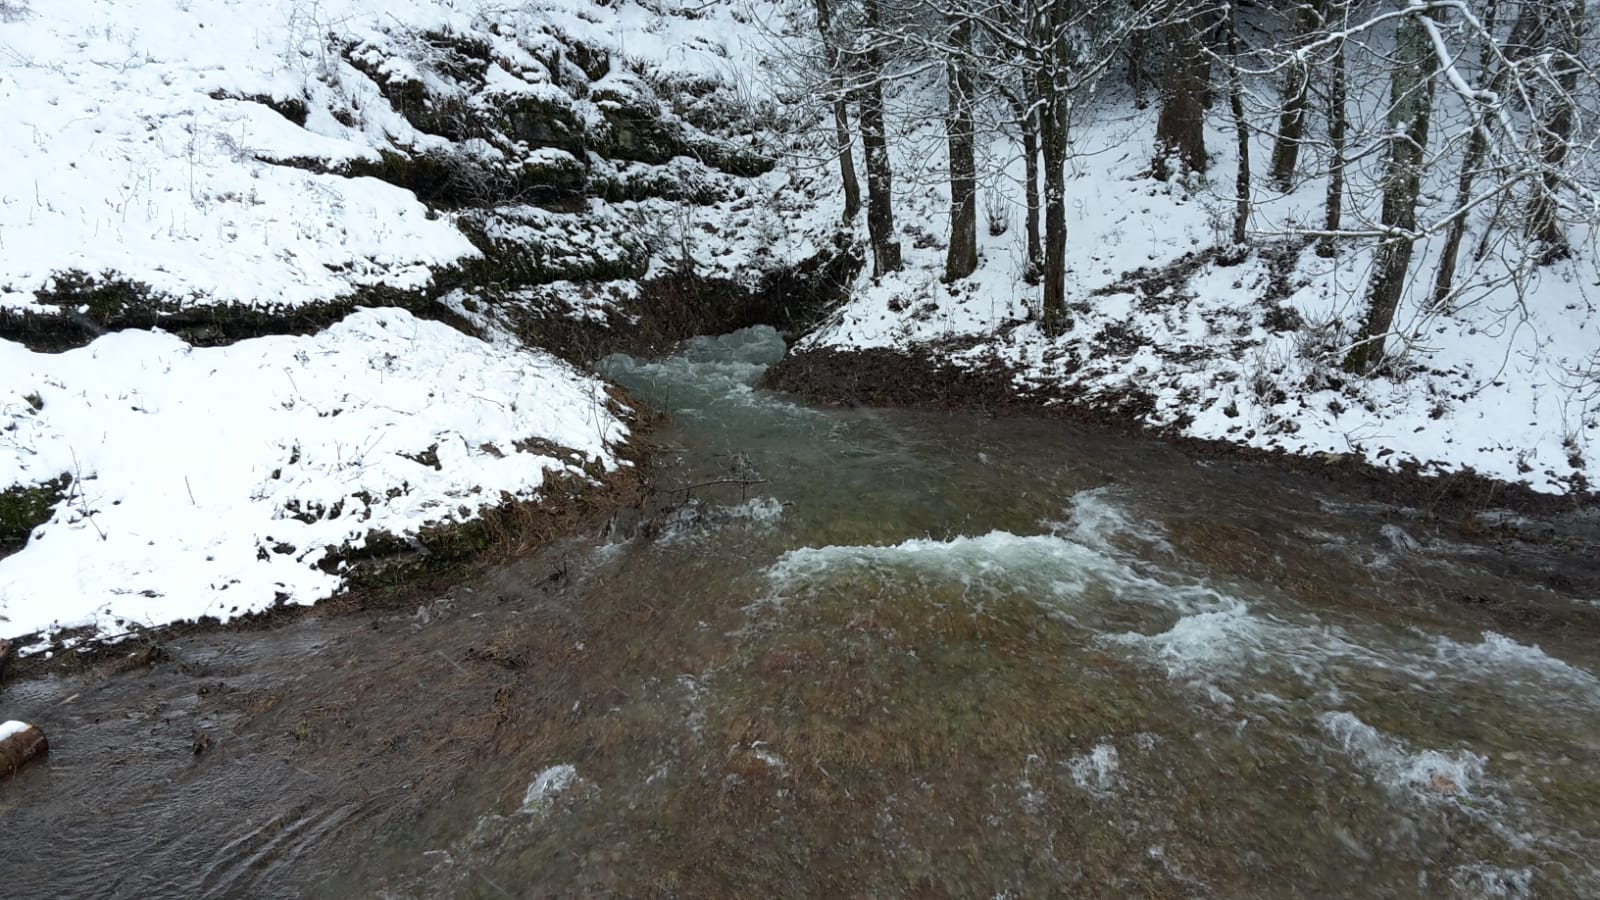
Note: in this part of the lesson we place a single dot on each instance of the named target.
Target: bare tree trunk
(1564, 24)
(1180, 126)
(1296, 100)
(874, 139)
(1410, 104)
(962, 258)
(1477, 147)
(1138, 71)
(847, 161)
(1338, 117)
(1054, 108)
(1028, 124)
(1241, 127)
(841, 112)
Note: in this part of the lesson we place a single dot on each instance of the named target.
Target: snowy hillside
(1170, 328)
(284, 153)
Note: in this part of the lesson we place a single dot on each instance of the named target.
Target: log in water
(20, 743)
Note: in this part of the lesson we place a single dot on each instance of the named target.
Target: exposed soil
(674, 307)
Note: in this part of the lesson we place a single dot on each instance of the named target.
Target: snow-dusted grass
(1490, 385)
(214, 481)
(125, 151)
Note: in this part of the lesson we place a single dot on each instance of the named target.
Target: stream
(866, 652)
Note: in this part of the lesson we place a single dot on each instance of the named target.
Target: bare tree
(1338, 118)
(1241, 126)
(1410, 105)
(1563, 28)
(841, 112)
(1185, 86)
(962, 258)
(1308, 19)
(868, 93)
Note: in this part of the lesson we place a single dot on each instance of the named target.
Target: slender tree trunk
(1338, 117)
(1055, 109)
(962, 258)
(1028, 124)
(1296, 100)
(1138, 72)
(841, 111)
(847, 161)
(1180, 126)
(1410, 104)
(1564, 24)
(1241, 127)
(875, 141)
(1477, 147)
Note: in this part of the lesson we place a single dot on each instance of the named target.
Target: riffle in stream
(872, 653)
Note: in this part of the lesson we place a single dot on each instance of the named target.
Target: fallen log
(19, 743)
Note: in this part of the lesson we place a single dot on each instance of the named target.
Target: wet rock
(20, 743)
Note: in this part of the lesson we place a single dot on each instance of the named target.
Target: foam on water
(695, 519)
(1427, 774)
(707, 374)
(1046, 566)
(1097, 518)
(1234, 643)
(1503, 656)
(1098, 771)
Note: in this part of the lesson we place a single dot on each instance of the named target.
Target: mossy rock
(550, 179)
(539, 122)
(458, 56)
(639, 134)
(25, 507)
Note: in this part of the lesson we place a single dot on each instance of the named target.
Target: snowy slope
(163, 139)
(215, 481)
(126, 150)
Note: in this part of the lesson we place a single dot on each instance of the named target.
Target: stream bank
(899, 651)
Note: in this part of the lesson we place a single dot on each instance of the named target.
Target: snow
(13, 727)
(213, 482)
(126, 151)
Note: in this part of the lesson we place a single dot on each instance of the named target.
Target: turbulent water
(884, 653)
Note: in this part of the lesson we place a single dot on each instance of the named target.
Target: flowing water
(875, 653)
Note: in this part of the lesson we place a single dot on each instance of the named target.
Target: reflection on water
(867, 652)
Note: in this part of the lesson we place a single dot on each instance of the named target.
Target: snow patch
(217, 481)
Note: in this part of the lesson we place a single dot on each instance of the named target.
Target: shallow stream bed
(872, 652)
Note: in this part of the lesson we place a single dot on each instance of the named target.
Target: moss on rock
(24, 507)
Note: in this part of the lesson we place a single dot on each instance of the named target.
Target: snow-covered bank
(223, 481)
(1168, 331)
